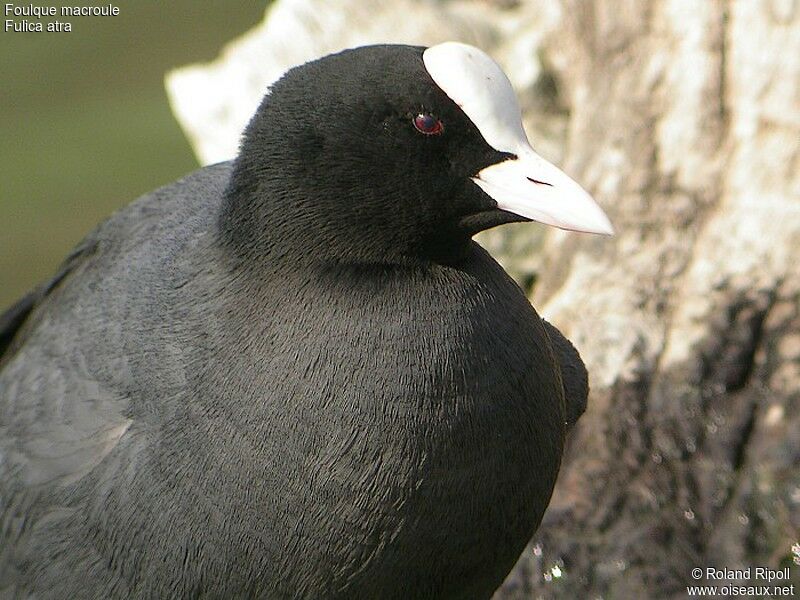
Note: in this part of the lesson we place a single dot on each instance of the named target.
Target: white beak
(526, 185)
(531, 187)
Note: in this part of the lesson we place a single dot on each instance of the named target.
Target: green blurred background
(85, 126)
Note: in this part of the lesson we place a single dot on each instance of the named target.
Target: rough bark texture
(685, 122)
(683, 118)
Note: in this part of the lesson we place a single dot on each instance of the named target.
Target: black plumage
(294, 375)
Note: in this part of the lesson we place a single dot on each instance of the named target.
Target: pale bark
(685, 123)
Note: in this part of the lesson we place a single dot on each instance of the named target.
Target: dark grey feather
(574, 377)
(284, 378)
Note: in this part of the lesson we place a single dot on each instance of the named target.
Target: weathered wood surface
(685, 123)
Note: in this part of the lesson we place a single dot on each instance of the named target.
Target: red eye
(428, 124)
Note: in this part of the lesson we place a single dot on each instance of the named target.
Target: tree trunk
(685, 123)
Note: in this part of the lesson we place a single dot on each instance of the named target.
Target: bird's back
(75, 353)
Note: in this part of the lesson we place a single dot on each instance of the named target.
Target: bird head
(390, 153)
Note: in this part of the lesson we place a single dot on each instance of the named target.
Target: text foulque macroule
(31, 18)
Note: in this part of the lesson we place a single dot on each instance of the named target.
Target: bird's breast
(413, 424)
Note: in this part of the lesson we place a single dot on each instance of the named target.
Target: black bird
(296, 375)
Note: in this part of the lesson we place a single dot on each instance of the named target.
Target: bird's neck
(263, 220)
